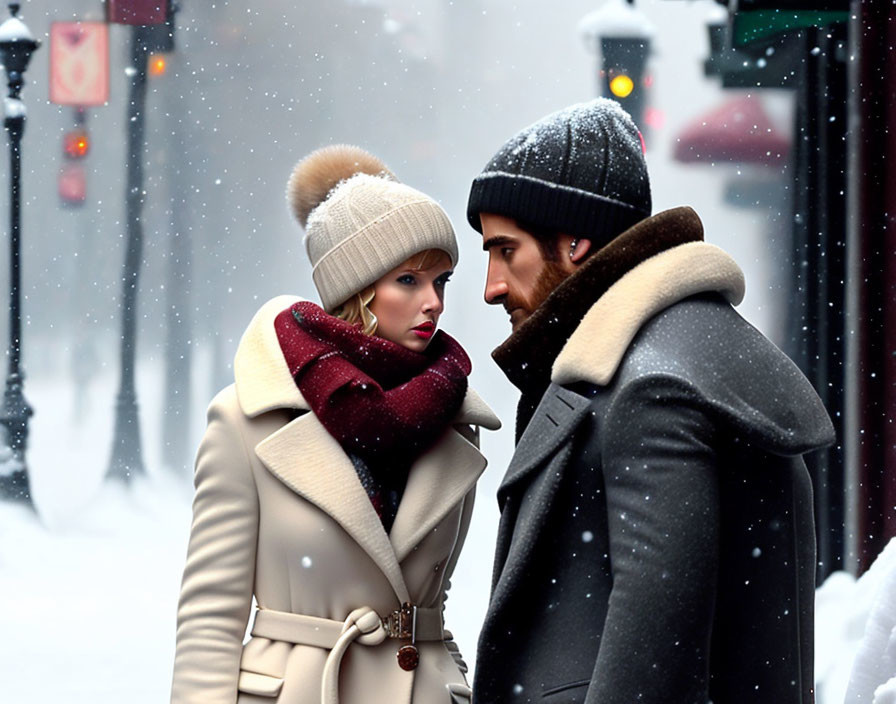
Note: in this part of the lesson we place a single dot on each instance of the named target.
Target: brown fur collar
(526, 357)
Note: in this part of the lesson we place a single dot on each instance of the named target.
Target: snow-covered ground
(89, 584)
(88, 606)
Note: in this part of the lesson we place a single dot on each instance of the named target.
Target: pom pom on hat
(315, 176)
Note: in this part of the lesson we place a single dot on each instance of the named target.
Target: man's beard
(551, 276)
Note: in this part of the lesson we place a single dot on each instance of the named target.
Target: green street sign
(750, 26)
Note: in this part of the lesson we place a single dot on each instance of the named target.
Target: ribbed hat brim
(550, 205)
(374, 250)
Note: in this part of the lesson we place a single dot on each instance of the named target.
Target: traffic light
(621, 86)
(72, 180)
(72, 184)
(158, 64)
(76, 144)
(624, 60)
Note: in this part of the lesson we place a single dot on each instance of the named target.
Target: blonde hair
(356, 309)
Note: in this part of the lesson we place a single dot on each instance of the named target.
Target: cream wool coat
(279, 514)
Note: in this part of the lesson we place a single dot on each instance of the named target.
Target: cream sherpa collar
(594, 351)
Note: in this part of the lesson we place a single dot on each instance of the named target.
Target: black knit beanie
(580, 171)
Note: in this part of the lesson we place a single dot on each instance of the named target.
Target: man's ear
(572, 250)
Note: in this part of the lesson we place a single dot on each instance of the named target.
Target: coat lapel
(475, 411)
(437, 482)
(263, 381)
(556, 416)
(305, 457)
(522, 520)
(546, 446)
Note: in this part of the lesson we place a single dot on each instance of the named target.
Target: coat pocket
(459, 693)
(259, 685)
(262, 667)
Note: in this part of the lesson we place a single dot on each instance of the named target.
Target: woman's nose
(433, 302)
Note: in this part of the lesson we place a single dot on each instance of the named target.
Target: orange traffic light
(76, 144)
(157, 65)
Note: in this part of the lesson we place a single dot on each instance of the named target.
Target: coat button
(408, 658)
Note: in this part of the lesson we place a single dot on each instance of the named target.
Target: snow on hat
(580, 171)
(360, 221)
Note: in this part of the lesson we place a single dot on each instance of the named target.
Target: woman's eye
(406, 279)
(443, 280)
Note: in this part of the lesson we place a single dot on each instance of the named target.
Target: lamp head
(16, 44)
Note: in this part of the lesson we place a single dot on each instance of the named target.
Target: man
(656, 541)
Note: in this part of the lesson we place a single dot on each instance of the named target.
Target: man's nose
(495, 286)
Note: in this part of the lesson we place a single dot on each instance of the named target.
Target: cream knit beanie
(360, 221)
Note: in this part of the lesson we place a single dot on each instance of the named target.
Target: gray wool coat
(656, 541)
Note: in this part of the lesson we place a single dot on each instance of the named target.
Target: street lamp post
(127, 455)
(152, 26)
(16, 46)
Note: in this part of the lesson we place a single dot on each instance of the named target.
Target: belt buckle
(402, 623)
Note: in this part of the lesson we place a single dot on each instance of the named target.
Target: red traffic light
(72, 184)
(76, 144)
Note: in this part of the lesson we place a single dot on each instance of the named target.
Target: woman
(335, 480)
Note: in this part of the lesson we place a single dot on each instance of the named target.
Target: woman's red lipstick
(425, 330)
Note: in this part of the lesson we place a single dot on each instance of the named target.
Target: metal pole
(818, 238)
(830, 256)
(814, 281)
(16, 410)
(127, 456)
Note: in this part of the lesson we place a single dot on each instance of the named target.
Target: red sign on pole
(137, 11)
(79, 63)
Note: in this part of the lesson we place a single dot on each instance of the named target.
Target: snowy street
(149, 222)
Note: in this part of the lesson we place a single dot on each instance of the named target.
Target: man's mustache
(510, 303)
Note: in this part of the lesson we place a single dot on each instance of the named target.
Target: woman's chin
(418, 345)
(411, 340)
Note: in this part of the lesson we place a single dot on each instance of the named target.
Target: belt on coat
(362, 626)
